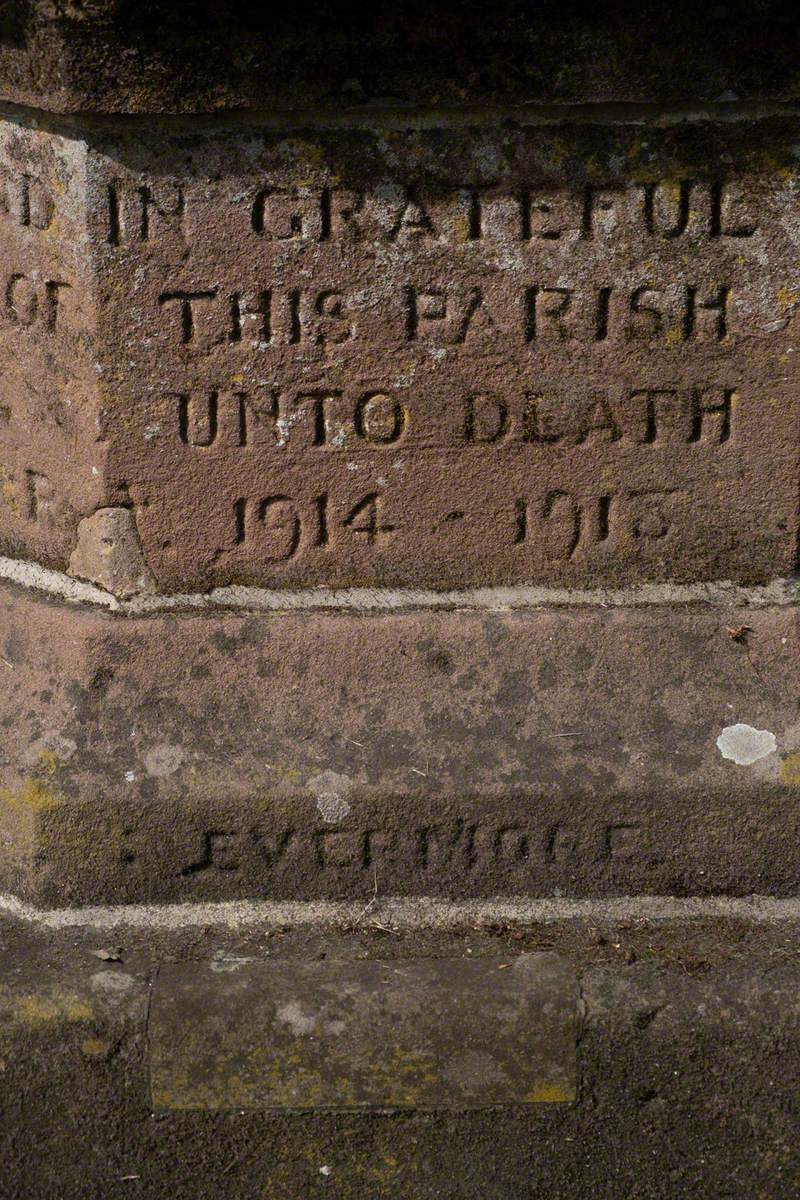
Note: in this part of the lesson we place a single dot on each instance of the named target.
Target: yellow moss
(8, 492)
(33, 797)
(461, 228)
(37, 1012)
(95, 1047)
(790, 770)
(551, 1093)
(787, 298)
(50, 761)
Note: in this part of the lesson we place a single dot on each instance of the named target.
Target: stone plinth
(329, 427)
(182, 756)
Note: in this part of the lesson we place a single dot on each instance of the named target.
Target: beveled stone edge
(379, 116)
(406, 914)
(781, 592)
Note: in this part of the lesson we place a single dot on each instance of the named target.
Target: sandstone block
(381, 356)
(585, 751)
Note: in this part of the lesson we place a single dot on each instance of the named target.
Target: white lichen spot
(744, 745)
(334, 808)
(331, 791)
(292, 1014)
(112, 983)
(163, 760)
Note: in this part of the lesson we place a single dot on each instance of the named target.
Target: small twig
(371, 902)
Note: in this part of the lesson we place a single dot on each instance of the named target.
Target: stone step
(581, 748)
(598, 1056)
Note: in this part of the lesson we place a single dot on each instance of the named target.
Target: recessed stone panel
(441, 1034)
(451, 357)
(388, 356)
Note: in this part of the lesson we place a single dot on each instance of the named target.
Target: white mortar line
(54, 583)
(257, 599)
(406, 915)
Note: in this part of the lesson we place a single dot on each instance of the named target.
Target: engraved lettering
(40, 496)
(292, 214)
(730, 212)
(667, 208)
(444, 316)
(546, 312)
(486, 419)
(272, 526)
(366, 519)
(549, 216)
(28, 302)
(413, 220)
(221, 852)
(204, 421)
(707, 317)
(137, 214)
(27, 200)
(184, 305)
(380, 420)
(711, 416)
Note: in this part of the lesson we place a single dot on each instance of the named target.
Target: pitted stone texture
(184, 56)
(51, 458)
(442, 357)
(323, 755)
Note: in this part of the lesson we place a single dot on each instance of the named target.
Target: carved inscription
(433, 852)
(407, 361)
(413, 212)
(49, 366)
(30, 301)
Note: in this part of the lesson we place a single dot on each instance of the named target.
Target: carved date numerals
(277, 528)
(565, 524)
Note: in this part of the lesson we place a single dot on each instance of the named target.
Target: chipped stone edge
(406, 914)
(723, 593)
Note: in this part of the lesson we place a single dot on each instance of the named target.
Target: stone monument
(399, 502)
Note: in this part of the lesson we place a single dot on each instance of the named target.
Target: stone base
(688, 1068)
(299, 755)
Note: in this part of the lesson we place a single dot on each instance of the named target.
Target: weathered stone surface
(688, 1062)
(185, 56)
(50, 456)
(209, 755)
(433, 356)
(109, 553)
(442, 1033)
